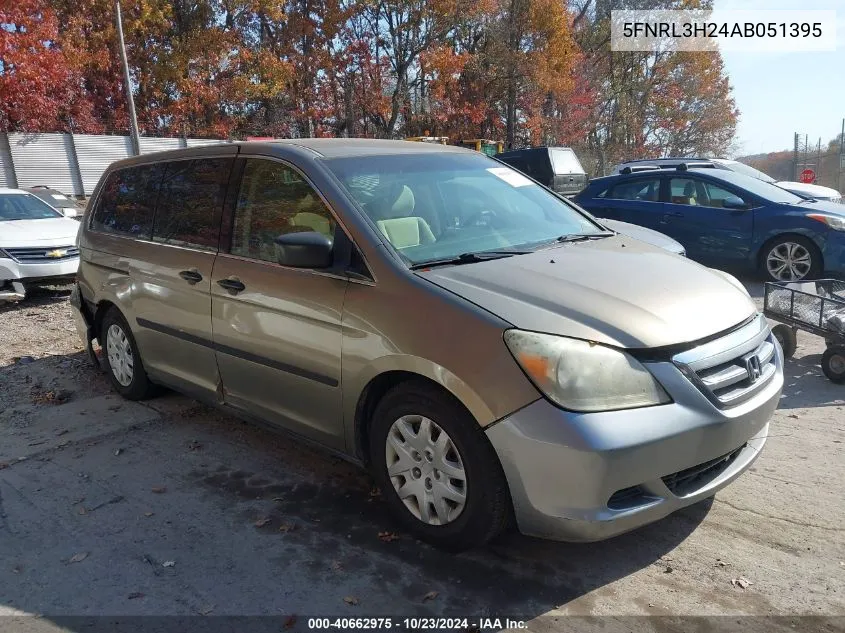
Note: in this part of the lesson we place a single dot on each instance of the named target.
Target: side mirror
(734, 202)
(306, 249)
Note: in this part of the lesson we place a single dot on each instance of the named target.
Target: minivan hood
(48, 232)
(615, 290)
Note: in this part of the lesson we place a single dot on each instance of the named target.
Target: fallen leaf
(336, 566)
(262, 522)
(387, 537)
(134, 595)
(82, 510)
(60, 433)
(78, 557)
(290, 621)
(3, 465)
(149, 514)
(668, 570)
(351, 600)
(206, 609)
(375, 492)
(16, 569)
(287, 527)
(159, 489)
(431, 595)
(742, 582)
(651, 604)
(169, 563)
(721, 563)
(793, 415)
(117, 451)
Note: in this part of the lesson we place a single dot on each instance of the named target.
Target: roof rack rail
(698, 165)
(635, 168)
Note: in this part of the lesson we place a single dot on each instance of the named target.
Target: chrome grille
(731, 369)
(40, 254)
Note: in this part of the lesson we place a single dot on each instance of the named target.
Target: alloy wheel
(789, 261)
(426, 470)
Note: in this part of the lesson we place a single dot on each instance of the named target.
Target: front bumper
(10, 270)
(587, 477)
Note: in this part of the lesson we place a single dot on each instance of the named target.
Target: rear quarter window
(126, 204)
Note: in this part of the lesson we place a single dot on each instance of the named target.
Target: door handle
(192, 276)
(232, 284)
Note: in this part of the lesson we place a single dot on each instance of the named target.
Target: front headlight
(583, 376)
(835, 222)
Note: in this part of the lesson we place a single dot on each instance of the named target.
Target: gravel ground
(167, 507)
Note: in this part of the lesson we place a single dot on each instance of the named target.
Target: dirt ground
(113, 508)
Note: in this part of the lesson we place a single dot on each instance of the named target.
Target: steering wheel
(481, 217)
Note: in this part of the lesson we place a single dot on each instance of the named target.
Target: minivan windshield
(22, 206)
(439, 205)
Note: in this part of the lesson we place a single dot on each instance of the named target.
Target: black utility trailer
(815, 306)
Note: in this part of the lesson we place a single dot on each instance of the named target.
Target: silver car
(488, 350)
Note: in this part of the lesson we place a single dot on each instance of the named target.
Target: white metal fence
(72, 163)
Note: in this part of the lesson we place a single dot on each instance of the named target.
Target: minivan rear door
(277, 329)
(171, 272)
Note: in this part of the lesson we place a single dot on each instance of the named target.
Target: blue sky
(779, 94)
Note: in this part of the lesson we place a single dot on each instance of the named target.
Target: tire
(833, 363)
(788, 339)
(126, 373)
(800, 257)
(486, 511)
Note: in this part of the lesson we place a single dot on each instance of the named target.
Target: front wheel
(833, 363)
(439, 474)
(791, 258)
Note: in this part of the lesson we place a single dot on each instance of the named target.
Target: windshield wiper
(467, 258)
(578, 237)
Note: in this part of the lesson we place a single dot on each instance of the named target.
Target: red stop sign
(808, 176)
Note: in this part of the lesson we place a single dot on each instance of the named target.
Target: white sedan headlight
(583, 376)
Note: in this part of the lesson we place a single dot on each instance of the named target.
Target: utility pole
(795, 157)
(130, 102)
(841, 157)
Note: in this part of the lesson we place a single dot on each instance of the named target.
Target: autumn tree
(39, 86)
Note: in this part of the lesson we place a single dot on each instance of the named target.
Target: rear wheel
(833, 363)
(122, 360)
(787, 337)
(437, 471)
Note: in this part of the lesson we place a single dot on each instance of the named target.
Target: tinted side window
(715, 195)
(191, 202)
(126, 204)
(646, 190)
(274, 200)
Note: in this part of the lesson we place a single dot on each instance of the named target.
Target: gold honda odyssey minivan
(490, 351)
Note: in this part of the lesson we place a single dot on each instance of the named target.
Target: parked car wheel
(437, 471)
(791, 258)
(787, 336)
(123, 362)
(833, 363)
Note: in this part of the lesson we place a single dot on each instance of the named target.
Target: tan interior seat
(405, 232)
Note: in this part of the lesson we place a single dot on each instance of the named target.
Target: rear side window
(191, 202)
(126, 204)
(646, 190)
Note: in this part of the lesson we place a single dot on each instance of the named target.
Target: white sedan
(37, 244)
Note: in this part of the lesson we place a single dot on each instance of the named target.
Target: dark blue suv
(727, 220)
